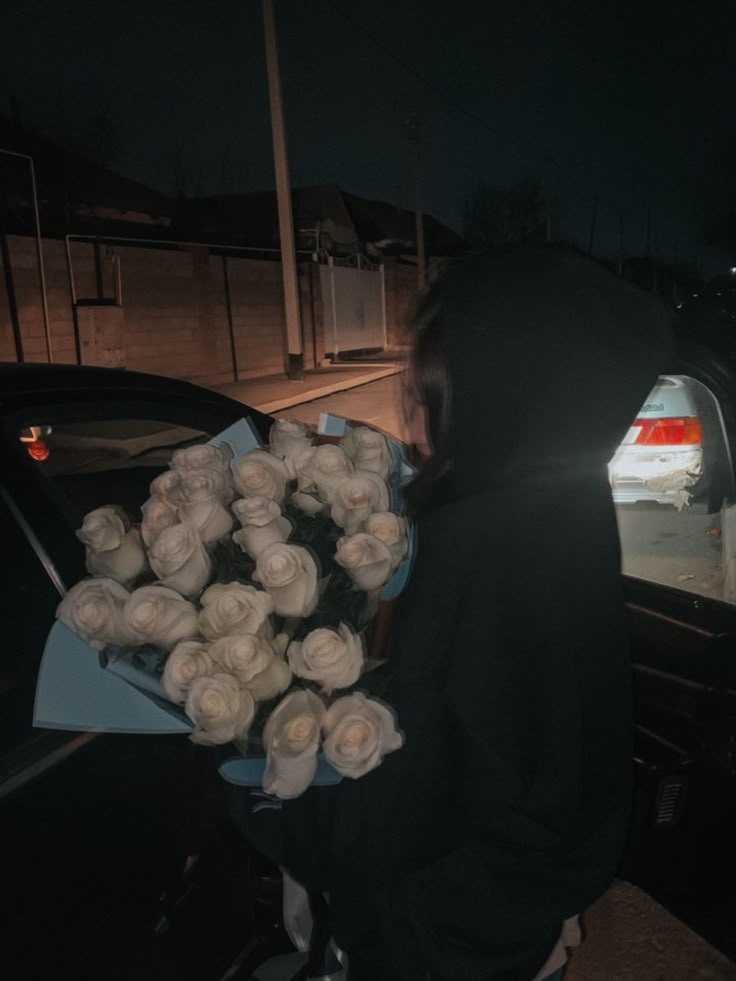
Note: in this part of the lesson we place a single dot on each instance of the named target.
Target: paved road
(377, 404)
(679, 549)
(658, 542)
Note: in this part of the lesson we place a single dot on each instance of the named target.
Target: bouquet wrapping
(239, 606)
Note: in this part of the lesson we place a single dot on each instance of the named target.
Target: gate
(354, 304)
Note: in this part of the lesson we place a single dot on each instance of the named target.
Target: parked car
(93, 825)
(661, 456)
(103, 836)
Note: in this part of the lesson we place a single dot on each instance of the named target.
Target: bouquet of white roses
(244, 597)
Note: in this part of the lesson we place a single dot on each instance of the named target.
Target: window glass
(670, 478)
(29, 599)
(97, 462)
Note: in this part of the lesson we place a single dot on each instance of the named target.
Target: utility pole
(295, 348)
(593, 220)
(548, 189)
(39, 251)
(655, 270)
(675, 273)
(413, 124)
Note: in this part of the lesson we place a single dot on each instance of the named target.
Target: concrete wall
(28, 298)
(174, 308)
(401, 291)
(174, 311)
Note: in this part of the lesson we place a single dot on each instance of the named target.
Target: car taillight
(684, 431)
(38, 450)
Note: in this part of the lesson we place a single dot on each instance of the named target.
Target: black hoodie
(506, 810)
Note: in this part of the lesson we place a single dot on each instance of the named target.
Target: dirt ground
(629, 937)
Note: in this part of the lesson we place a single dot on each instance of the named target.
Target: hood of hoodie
(550, 358)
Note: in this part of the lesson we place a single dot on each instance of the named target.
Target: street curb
(301, 398)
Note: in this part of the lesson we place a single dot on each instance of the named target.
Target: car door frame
(39, 511)
(26, 493)
(684, 672)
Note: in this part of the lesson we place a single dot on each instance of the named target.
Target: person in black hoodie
(506, 810)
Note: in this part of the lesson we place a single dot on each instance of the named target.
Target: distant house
(325, 218)
(193, 288)
(74, 194)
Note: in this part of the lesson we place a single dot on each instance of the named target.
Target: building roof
(75, 194)
(390, 228)
(68, 182)
(341, 222)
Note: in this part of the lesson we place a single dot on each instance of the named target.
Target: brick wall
(174, 308)
(174, 312)
(28, 298)
(401, 291)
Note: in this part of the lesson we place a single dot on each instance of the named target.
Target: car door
(95, 826)
(678, 580)
(63, 451)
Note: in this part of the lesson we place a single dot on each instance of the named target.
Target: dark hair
(429, 385)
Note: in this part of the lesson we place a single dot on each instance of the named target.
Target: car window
(670, 477)
(96, 462)
(30, 599)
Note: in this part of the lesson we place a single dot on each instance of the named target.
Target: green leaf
(231, 564)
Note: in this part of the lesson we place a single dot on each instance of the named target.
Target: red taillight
(38, 450)
(685, 431)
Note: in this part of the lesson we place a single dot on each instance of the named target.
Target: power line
(433, 87)
(551, 161)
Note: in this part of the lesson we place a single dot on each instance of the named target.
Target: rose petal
(291, 764)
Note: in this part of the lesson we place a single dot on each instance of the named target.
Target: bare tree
(495, 216)
(94, 135)
(720, 214)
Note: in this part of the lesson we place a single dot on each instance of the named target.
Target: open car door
(678, 562)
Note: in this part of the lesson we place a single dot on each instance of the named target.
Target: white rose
(260, 474)
(307, 503)
(198, 498)
(188, 661)
(159, 616)
(323, 469)
(159, 514)
(390, 529)
(291, 739)
(220, 710)
(203, 457)
(180, 560)
(94, 610)
(262, 524)
(232, 608)
(165, 484)
(289, 573)
(251, 660)
(366, 560)
(358, 733)
(290, 441)
(357, 498)
(271, 682)
(113, 548)
(334, 658)
(368, 450)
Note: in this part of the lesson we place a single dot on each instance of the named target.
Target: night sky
(630, 101)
